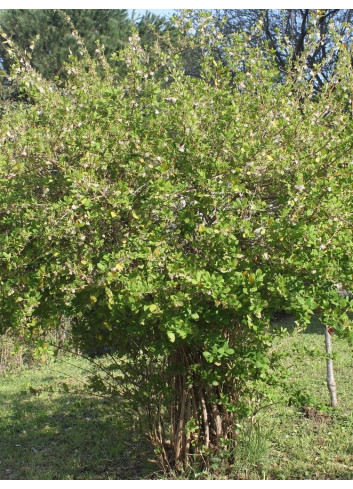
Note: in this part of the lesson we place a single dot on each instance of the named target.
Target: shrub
(170, 216)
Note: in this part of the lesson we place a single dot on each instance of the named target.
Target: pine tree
(55, 42)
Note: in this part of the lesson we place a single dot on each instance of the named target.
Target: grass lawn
(308, 443)
(52, 428)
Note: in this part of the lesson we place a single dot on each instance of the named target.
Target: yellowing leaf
(119, 267)
(135, 215)
(113, 214)
(201, 228)
(171, 336)
(270, 158)
(153, 307)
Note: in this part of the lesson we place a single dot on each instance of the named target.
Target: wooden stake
(331, 384)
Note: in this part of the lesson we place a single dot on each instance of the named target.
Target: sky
(162, 12)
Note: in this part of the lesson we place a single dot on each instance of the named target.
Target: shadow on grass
(287, 321)
(68, 436)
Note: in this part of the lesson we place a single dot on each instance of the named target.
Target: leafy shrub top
(161, 209)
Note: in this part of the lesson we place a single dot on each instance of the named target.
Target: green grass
(52, 428)
(310, 444)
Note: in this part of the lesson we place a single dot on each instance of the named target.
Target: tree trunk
(331, 384)
(198, 424)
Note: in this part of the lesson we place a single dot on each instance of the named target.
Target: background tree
(108, 26)
(287, 31)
